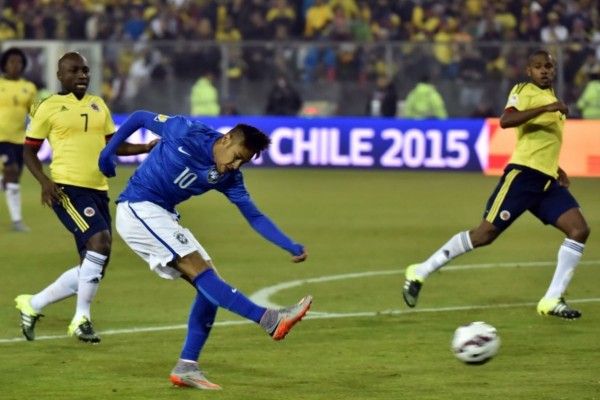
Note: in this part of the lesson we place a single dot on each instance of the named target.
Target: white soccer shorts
(155, 235)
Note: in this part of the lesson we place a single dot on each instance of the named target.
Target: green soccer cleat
(84, 331)
(186, 374)
(412, 286)
(28, 316)
(557, 308)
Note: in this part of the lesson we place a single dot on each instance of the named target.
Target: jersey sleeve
(38, 128)
(238, 195)
(518, 98)
(174, 127)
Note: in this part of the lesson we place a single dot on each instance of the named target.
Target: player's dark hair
(538, 53)
(254, 139)
(10, 52)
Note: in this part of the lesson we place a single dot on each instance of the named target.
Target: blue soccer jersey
(182, 165)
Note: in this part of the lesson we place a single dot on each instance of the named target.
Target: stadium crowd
(456, 39)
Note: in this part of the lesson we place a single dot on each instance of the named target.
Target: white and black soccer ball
(475, 343)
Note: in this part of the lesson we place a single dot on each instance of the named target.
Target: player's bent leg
(278, 323)
(187, 374)
(29, 317)
(573, 224)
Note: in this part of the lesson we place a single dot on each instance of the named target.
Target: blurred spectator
(121, 91)
(236, 68)
(347, 68)
(589, 102)
(256, 27)
(229, 107)
(444, 51)
(204, 98)
(349, 7)
(590, 66)
(281, 13)
(77, 17)
(340, 26)
(283, 99)
(228, 33)
(471, 72)
(142, 68)
(284, 55)
(135, 25)
(255, 57)
(482, 110)
(424, 101)
(318, 17)
(554, 32)
(94, 22)
(384, 22)
(383, 101)
(576, 51)
(360, 27)
(200, 52)
(165, 25)
(7, 30)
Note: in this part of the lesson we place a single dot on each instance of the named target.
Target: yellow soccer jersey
(16, 98)
(77, 131)
(539, 139)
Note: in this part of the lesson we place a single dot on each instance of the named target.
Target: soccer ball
(475, 343)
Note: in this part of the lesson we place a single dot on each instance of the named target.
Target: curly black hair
(10, 52)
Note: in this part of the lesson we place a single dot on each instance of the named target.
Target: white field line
(262, 297)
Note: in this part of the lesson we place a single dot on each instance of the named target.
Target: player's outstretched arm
(139, 119)
(513, 117)
(131, 149)
(267, 229)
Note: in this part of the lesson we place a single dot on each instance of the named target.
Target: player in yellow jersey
(533, 182)
(77, 125)
(17, 95)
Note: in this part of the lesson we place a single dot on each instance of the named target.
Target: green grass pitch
(360, 341)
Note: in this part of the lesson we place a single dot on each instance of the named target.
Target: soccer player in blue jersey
(77, 126)
(532, 181)
(190, 160)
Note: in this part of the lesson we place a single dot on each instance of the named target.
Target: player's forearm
(131, 149)
(510, 119)
(34, 165)
(267, 229)
(272, 233)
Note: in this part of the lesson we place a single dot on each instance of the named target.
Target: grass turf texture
(351, 222)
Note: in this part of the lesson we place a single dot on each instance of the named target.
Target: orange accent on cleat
(296, 314)
(193, 383)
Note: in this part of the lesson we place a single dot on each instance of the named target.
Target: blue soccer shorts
(11, 153)
(524, 189)
(83, 212)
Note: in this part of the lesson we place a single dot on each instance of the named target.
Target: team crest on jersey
(513, 100)
(161, 118)
(213, 175)
(180, 237)
(95, 107)
(89, 212)
(504, 215)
